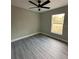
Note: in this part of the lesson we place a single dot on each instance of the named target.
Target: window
(57, 23)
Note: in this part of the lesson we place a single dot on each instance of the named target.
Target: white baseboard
(54, 37)
(35, 34)
(24, 37)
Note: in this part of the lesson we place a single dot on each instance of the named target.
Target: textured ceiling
(26, 5)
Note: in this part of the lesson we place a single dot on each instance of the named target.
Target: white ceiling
(26, 5)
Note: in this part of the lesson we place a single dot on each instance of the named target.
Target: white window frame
(62, 24)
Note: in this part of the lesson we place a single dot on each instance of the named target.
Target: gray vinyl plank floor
(39, 47)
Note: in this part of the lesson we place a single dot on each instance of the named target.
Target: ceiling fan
(39, 5)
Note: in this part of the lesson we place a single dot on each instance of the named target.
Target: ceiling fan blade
(32, 7)
(46, 2)
(33, 3)
(46, 7)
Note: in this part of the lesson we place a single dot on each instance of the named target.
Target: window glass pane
(57, 23)
(57, 28)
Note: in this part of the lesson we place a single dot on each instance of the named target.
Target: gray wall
(23, 22)
(45, 22)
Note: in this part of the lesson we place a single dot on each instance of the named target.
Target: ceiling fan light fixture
(39, 9)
